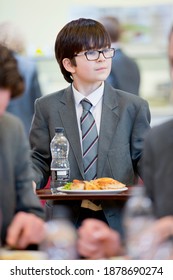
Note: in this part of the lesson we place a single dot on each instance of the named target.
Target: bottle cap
(59, 129)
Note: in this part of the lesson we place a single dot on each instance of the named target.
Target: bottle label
(60, 172)
(60, 175)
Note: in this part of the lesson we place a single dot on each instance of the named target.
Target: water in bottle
(60, 169)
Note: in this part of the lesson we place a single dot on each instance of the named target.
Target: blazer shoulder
(51, 97)
(129, 97)
(12, 129)
(11, 120)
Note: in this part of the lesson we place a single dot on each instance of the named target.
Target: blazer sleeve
(26, 200)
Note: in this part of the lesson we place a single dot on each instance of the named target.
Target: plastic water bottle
(138, 217)
(60, 168)
(61, 236)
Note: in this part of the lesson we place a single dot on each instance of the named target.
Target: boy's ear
(68, 65)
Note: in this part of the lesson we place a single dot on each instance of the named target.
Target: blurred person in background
(21, 213)
(125, 74)
(23, 107)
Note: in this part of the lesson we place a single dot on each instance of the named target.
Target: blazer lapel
(109, 121)
(69, 120)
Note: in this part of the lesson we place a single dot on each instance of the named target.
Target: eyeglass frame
(99, 52)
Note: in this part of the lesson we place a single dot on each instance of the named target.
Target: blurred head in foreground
(11, 82)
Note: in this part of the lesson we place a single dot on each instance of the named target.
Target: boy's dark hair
(76, 36)
(9, 74)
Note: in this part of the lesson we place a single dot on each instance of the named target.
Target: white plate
(115, 191)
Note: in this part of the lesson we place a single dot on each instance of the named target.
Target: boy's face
(4, 99)
(91, 72)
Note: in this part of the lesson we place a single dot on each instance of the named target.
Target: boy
(83, 51)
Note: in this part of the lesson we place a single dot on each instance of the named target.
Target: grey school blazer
(124, 122)
(158, 167)
(16, 192)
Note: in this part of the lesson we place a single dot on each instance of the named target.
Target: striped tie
(89, 141)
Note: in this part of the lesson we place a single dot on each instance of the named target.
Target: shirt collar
(93, 97)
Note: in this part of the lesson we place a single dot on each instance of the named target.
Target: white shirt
(96, 98)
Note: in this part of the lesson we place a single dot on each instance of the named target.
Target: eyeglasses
(94, 55)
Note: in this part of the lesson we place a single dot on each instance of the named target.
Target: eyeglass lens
(94, 55)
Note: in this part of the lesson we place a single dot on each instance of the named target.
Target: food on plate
(109, 183)
(104, 183)
(77, 184)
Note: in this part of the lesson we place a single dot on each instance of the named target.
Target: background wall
(41, 20)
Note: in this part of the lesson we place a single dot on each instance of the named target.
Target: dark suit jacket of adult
(125, 74)
(158, 167)
(16, 192)
(124, 122)
(23, 106)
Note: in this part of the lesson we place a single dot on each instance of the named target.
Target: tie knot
(86, 104)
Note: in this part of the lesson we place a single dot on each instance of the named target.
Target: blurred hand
(155, 242)
(162, 229)
(96, 240)
(25, 229)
